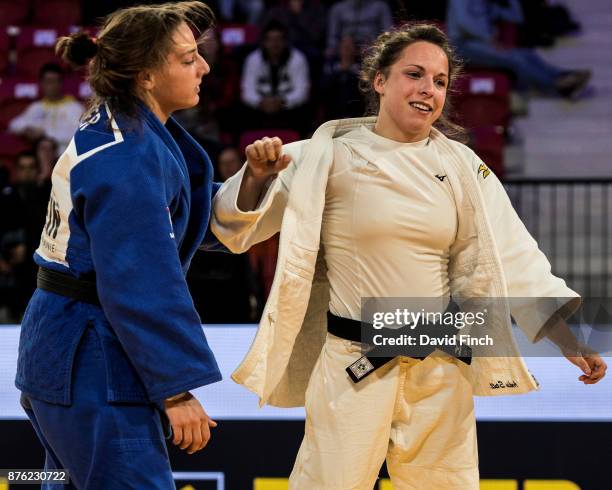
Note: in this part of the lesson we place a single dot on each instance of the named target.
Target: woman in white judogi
(386, 207)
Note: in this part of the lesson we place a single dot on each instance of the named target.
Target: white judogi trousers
(419, 415)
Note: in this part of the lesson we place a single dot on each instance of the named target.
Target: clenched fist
(264, 161)
(265, 158)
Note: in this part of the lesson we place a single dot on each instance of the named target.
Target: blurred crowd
(278, 67)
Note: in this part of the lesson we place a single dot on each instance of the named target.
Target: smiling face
(176, 84)
(413, 92)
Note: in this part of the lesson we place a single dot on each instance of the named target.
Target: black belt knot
(349, 329)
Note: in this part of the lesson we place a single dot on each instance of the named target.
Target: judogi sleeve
(211, 243)
(239, 230)
(141, 284)
(535, 294)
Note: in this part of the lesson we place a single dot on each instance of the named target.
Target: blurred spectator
(276, 83)
(216, 112)
(45, 150)
(229, 162)
(545, 22)
(92, 12)
(248, 11)
(261, 256)
(223, 286)
(430, 11)
(471, 25)
(362, 20)
(221, 85)
(306, 22)
(31, 196)
(56, 115)
(342, 97)
(23, 208)
(4, 176)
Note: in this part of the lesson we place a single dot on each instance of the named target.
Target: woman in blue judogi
(111, 340)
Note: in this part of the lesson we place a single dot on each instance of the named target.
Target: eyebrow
(190, 51)
(422, 68)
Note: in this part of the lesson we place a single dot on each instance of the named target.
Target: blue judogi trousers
(102, 445)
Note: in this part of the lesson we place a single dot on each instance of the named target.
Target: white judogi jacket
(493, 256)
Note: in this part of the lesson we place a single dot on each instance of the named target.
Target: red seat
(488, 143)
(10, 147)
(233, 35)
(507, 34)
(14, 12)
(35, 47)
(4, 48)
(50, 12)
(286, 135)
(483, 99)
(77, 86)
(15, 95)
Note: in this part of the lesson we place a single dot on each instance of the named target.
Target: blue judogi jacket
(130, 203)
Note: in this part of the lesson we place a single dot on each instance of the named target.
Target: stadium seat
(483, 99)
(488, 143)
(77, 86)
(49, 12)
(507, 34)
(4, 49)
(286, 135)
(13, 12)
(10, 147)
(233, 35)
(35, 47)
(15, 95)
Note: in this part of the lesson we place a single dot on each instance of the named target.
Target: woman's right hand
(265, 158)
(190, 423)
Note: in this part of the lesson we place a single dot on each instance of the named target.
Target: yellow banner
(385, 484)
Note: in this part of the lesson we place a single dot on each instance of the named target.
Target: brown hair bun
(77, 49)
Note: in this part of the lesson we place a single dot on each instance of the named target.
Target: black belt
(67, 285)
(349, 329)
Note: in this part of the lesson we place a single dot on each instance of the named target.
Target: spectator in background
(248, 11)
(306, 22)
(229, 162)
(545, 22)
(222, 85)
(56, 115)
(23, 209)
(430, 11)
(276, 82)
(31, 196)
(4, 176)
(362, 20)
(223, 286)
(471, 26)
(45, 150)
(342, 97)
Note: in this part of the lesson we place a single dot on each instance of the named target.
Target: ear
(379, 83)
(146, 80)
